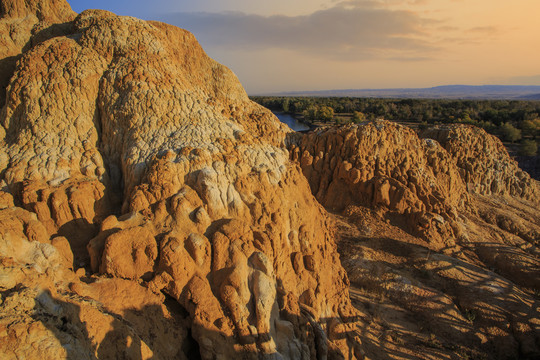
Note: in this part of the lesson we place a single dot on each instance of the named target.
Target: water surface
(291, 121)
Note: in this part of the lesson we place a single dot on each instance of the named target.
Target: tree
(466, 117)
(310, 113)
(358, 117)
(528, 148)
(285, 105)
(325, 113)
(531, 127)
(509, 132)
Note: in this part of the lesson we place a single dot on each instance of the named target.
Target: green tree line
(512, 120)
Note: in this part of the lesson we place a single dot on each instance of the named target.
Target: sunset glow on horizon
(292, 45)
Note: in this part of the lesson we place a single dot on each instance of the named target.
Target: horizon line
(286, 92)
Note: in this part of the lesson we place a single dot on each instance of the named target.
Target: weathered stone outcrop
(462, 304)
(52, 11)
(379, 164)
(384, 165)
(47, 312)
(478, 212)
(483, 161)
(214, 213)
(149, 209)
(70, 210)
(23, 24)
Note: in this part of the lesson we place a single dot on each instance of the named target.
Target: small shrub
(470, 314)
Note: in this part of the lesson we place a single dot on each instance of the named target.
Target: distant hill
(488, 92)
(532, 97)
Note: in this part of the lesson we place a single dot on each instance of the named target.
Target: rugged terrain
(149, 209)
(439, 238)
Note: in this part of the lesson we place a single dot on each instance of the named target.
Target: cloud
(348, 31)
(484, 30)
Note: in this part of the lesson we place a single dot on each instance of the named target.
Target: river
(291, 121)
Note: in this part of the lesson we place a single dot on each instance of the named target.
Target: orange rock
(62, 245)
(387, 166)
(129, 253)
(136, 112)
(6, 200)
(145, 161)
(483, 161)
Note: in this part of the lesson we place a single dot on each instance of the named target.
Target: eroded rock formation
(386, 166)
(25, 24)
(444, 232)
(147, 174)
(483, 162)
(149, 209)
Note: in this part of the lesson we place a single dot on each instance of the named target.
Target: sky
(301, 45)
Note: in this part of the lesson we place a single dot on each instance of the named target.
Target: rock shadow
(136, 334)
(79, 232)
(64, 321)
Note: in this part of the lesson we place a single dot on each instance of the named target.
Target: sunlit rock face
(483, 162)
(154, 201)
(149, 209)
(442, 227)
(385, 166)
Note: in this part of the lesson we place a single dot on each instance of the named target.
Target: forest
(514, 121)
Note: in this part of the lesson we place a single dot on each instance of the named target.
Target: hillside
(150, 210)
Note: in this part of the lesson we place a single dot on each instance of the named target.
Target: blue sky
(285, 45)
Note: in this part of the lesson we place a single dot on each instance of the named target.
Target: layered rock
(425, 304)
(214, 215)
